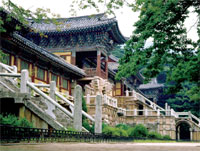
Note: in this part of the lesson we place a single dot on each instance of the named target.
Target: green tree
(181, 102)
(171, 51)
(118, 52)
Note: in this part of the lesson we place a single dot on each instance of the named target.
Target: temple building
(85, 42)
(77, 52)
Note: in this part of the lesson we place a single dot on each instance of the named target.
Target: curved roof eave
(50, 56)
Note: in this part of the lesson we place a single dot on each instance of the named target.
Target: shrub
(166, 137)
(88, 126)
(14, 121)
(84, 105)
(71, 129)
(107, 130)
(138, 131)
(122, 132)
(155, 135)
(123, 126)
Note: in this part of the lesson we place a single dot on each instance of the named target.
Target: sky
(125, 16)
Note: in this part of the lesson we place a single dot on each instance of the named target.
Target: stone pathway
(103, 147)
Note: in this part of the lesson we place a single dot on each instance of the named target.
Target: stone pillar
(191, 137)
(98, 114)
(106, 67)
(1, 69)
(73, 59)
(158, 112)
(105, 99)
(14, 69)
(23, 83)
(88, 99)
(169, 111)
(52, 90)
(178, 133)
(146, 112)
(78, 108)
(127, 93)
(98, 70)
(135, 112)
(166, 108)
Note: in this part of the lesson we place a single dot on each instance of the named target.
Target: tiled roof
(113, 66)
(75, 23)
(79, 24)
(49, 55)
(151, 85)
(113, 58)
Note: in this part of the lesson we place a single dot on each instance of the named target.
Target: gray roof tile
(51, 56)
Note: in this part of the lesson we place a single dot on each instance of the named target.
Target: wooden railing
(91, 72)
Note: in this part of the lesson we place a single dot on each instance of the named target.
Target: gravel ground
(102, 147)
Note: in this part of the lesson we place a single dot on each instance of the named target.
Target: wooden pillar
(73, 59)
(106, 67)
(98, 70)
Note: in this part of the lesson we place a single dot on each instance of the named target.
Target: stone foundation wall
(163, 125)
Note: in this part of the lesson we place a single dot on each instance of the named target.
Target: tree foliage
(22, 15)
(172, 51)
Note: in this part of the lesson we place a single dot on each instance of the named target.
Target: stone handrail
(143, 99)
(11, 69)
(72, 105)
(121, 110)
(64, 99)
(106, 100)
(49, 99)
(145, 112)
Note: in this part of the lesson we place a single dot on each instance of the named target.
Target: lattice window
(54, 78)
(24, 65)
(64, 83)
(40, 74)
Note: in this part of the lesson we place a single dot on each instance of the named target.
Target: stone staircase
(49, 105)
(36, 104)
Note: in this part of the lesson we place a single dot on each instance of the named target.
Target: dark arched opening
(140, 107)
(183, 131)
(8, 106)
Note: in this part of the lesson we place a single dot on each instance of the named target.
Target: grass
(154, 141)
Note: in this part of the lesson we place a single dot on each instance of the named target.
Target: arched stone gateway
(187, 129)
(183, 130)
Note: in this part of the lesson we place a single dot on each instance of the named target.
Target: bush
(14, 121)
(155, 135)
(122, 126)
(107, 130)
(166, 137)
(138, 131)
(88, 126)
(122, 132)
(71, 129)
(113, 131)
